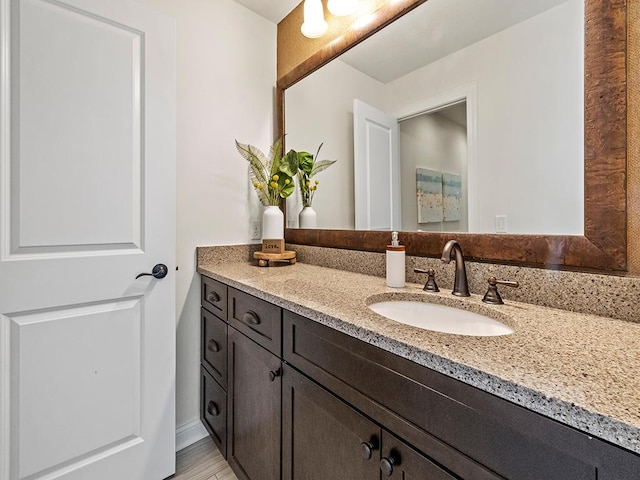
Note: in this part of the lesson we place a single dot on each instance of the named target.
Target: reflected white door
(376, 168)
(87, 160)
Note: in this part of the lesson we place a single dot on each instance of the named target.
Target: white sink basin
(440, 318)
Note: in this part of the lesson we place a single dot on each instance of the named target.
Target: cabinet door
(401, 462)
(324, 438)
(254, 409)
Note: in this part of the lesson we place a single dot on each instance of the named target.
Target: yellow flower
(259, 187)
(255, 184)
(317, 182)
(308, 182)
(274, 184)
(276, 178)
(287, 181)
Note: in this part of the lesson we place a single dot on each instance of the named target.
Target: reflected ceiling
(387, 55)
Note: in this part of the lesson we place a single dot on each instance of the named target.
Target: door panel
(77, 130)
(254, 409)
(322, 437)
(376, 168)
(87, 200)
(93, 351)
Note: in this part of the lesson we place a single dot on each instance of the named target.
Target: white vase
(272, 223)
(308, 218)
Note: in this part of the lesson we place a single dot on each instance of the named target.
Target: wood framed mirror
(603, 246)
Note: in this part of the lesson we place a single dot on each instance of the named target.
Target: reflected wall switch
(501, 224)
(256, 229)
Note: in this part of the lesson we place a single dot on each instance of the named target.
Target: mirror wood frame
(604, 243)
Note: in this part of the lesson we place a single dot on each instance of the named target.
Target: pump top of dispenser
(395, 243)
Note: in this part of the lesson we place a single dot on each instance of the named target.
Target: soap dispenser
(395, 263)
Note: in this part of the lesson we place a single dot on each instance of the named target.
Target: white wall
(530, 119)
(226, 70)
(431, 141)
(327, 116)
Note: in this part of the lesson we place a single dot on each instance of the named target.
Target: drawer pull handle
(251, 318)
(387, 464)
(212, 409)
(274, 373)
(213, 346)
(213, 297)
(367, 449)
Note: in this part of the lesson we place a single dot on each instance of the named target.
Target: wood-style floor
(202, 461)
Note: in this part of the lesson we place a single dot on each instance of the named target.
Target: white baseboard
(189, 433)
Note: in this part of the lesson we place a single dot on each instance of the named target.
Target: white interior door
(87, 160)
(376, 168)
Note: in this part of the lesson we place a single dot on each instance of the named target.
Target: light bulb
(341, 8)
(314, 25)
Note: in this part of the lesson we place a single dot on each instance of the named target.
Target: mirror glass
(469, 116)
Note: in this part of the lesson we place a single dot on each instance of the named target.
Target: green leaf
(275, 152)
(262, 194)
(289, 164)
(320, 166)
(287, 190)
(257, 160)
(305, 162)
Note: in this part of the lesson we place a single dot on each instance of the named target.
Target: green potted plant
(309, 167)
(273, 179)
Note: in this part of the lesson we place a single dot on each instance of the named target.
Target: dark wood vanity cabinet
(323, 437)
(470, 433)
(296, 400)
(241, 379)
(213, 361)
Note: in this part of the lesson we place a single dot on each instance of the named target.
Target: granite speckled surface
(577, 368)
(605, 295)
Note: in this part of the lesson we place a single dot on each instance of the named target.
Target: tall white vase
(308, 218)
(272, 223)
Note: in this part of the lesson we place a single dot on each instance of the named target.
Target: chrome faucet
(460, 284)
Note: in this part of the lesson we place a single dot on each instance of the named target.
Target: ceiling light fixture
(314, 25)
(341, 8)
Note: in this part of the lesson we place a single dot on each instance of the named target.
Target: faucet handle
(431, 285)
(493, 296)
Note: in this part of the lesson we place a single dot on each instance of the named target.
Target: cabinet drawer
(214, 297)
(214, 347)
(259, 320)
(437, 414)
(213, 410)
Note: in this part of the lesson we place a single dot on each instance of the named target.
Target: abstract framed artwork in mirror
(592, 233)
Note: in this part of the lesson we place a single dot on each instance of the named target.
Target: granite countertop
(581, 370)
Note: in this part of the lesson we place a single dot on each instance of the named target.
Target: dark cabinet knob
(367, 449)
(387, 464)
(274, 373)
(213, 297)
(213, 346)
(212, 409)
(251, 318)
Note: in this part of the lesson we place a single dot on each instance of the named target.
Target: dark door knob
(212, 409)
(213, 346)
(213, 297)
(274, 373)
(251, 318)
(159, 271)
(367, 449)
(387, 464)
